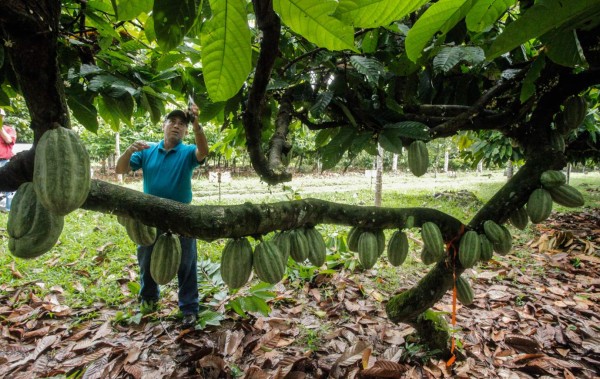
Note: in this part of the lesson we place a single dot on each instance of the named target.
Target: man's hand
(137, 146)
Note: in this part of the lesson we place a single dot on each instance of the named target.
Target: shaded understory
(535, 313)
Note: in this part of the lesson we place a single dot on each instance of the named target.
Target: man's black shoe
(189, 320)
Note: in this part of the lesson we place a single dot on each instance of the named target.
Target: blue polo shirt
(167, 174)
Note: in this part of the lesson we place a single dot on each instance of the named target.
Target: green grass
(94, 262)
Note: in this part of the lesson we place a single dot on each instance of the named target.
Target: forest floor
(536, 314)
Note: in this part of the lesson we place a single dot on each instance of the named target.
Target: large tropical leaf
(528, 87)
(127, 9)
(369, 67)
(563, 48)
(485, 13)
(323, 100)
(439, 18)
(449, 57)
(335, 149)
(82, 105)
(312, 20)
(543, 17)
(374, 13)
(225, 49)
(172, 20)
(122, 106)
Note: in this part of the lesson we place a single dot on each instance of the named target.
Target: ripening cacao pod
(140, 233)
(552, 179)
(352, 239)
(504, 245)
(486, 249)
(519, 218)
(469, 249)
(539, 205)
(268, 263)
(464, 292)
(380, 241)
(298, 245)
(32, 229)
(567, 196)
(493, 231)
(166, 258)
(397, 249)
(317, 251)
(368, 249)
(418, 158)
(573, 114)
(236, 262)
(433, 240)
(557, 142)
(282, 241)
(427, 257)
(61, 171)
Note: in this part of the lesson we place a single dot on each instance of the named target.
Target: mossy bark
(434, 331)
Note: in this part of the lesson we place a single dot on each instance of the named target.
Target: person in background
(8, 137)
(167, 171)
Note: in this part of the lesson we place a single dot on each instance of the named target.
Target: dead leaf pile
(536, 313)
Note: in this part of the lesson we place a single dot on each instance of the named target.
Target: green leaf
(4, 98)
(369, 41)
(335, 149)
(108, 115)
(148, 102)
(439, 18)
(449, 57)
(312, 19)
(323, 100)
(323, 136)
(121, 106)
(528, 87)
(389, 142)
(485, 13)
(172, 20)
(370, 68)
(374, 13)
(84, 111)
(255, 304)
(409, 129)
(543, 17)
(225, 49)
(563, 48)
(209, 110)
(128, 10)
(209, 318)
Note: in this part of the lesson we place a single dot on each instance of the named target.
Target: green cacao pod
(380, 241)
(433, 240)
(140, 233)
(573, 114)
(557, 142)
(504, 245)
(539, 205)
(236, 262)
(317, 251)
(418, 158)
(469, 249)
(282, 241)
(353, 235)
(493, 231)
(268, 263)
(427, 257)
(552, 179)
(397, 249)
(298, 245)
(486, 249)
(368, 249)
(464, 292)
(32, 229)
(166, 258)
(519, 218)
(567, 196)
(61, 171)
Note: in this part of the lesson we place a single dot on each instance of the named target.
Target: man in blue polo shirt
(168, 167)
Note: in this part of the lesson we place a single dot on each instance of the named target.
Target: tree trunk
(395, 164)
(480, 166)
(568, 172)
(509, 170)
(379, 176)
(118, 153)
(446, 160)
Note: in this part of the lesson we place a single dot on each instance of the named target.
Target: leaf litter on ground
(535, 314)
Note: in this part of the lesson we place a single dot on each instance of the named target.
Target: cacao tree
(357, 73)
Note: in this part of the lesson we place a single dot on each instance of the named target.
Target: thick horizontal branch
(209, 222)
